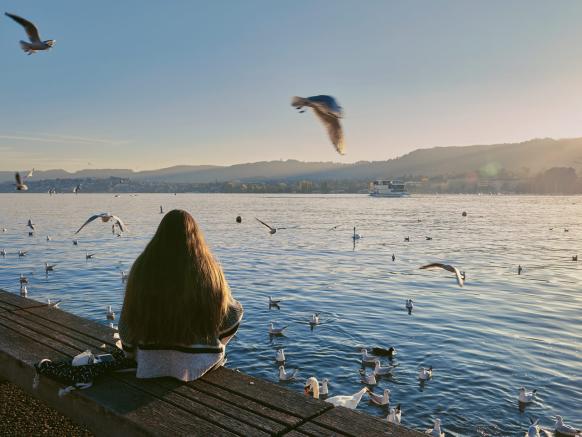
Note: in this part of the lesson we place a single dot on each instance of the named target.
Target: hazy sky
(146, 84)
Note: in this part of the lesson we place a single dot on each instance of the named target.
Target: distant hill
(529, 157)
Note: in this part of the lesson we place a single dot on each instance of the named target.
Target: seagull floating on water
(526, 397)
(280, 357)
(459, 275)
(238, 219)
(22, 252)
(519, 269)
(287, 376)
(324, 391)
(575, 258)
(381, 400)
(407, 239)
(110, 313)
(274, 303)
(534, 430)
(564, 429)
(35, 44)
(276, 331)
(105, 217)
(368, 379)
(368, 359)
(356, 236)
(48, 267)
(89, 255)
(436, 429)
(53, 304)
(314, 319)
(409, 305)
(395, 415)
(75, 243)
(382, 371)
(425, 374)
(272, 230)
(329, 113)
(3, 252)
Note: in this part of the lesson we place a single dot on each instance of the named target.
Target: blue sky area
(148, 84)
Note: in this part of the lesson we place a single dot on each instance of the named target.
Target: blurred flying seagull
(30, 224)
(460, 275)
(77, 189)
(105, 217)
(20, 185)
(35, 43)
(272, 230)
(329, 112)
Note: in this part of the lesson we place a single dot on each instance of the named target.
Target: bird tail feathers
(25, 46)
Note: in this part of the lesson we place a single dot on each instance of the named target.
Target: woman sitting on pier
(178, 313)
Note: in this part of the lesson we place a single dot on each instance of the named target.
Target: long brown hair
(176, 291)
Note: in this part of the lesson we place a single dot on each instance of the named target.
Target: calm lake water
(499, 332)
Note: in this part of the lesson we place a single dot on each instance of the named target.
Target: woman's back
(178, 313)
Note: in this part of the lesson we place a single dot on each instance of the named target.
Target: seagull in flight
(30, 224)
(35, 44)
(20, 185)
(329, 112)
(77, 189)
(459, 275)
(272, 230)
(105, 217)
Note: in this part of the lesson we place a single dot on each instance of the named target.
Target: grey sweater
(184, 362)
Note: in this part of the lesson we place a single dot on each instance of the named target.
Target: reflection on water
(484, 341)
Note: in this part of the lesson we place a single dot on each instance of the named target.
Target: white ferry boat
(385, 188)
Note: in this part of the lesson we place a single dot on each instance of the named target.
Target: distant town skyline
(145, 85)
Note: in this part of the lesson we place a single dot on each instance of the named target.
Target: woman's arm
(231, 322)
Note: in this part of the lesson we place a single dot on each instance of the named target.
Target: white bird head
(50, 42)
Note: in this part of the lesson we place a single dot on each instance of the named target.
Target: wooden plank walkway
(222, 403)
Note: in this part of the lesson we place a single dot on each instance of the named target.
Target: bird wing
(30, 28)
(327, 104)
(376, 397)
(17, 178)
(94, 217)
(334, 129)
(460, 280)
(439, 266)
(262, 222)
(30, 173)
(119, 223)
